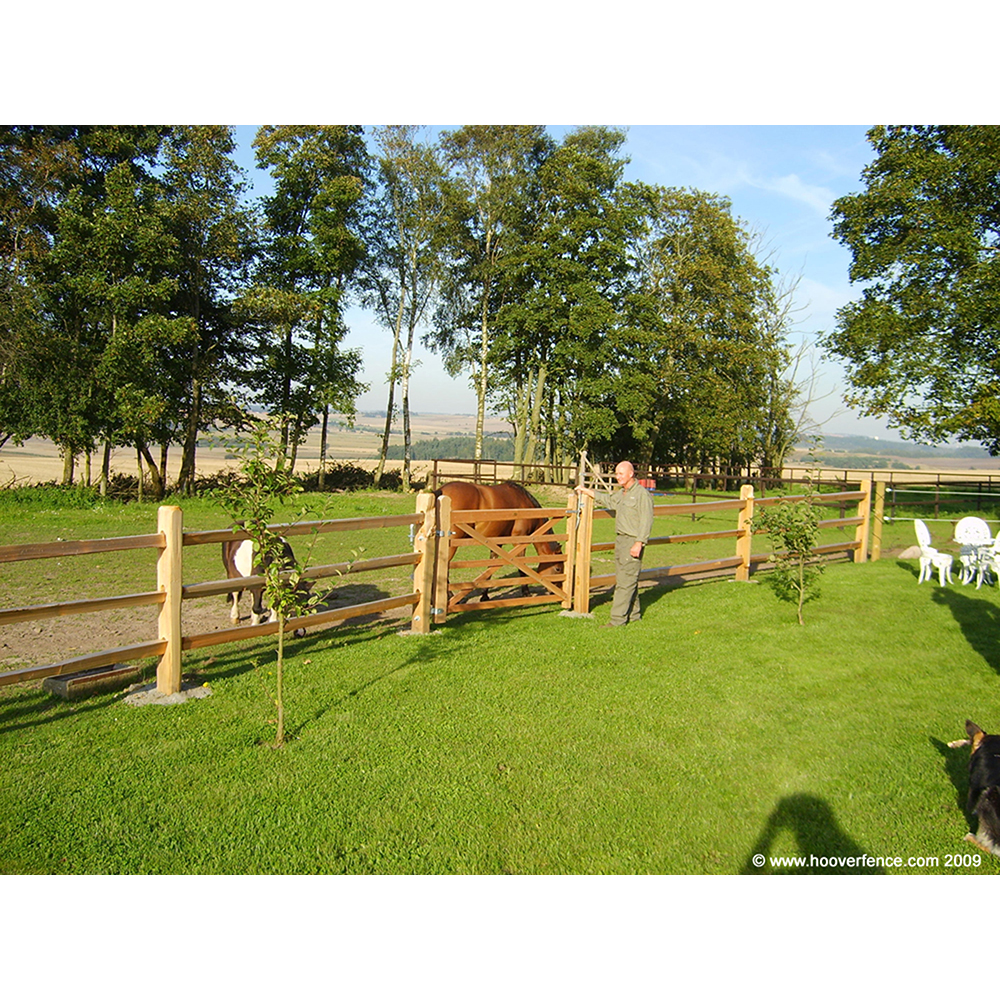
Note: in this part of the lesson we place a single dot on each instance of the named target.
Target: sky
(781, 181)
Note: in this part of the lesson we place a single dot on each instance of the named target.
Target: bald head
(625, 474)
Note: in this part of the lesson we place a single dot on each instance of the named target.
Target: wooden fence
(436, 591)
(171, 540)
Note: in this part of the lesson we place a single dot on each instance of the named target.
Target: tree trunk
(69, 462)
(154, 472)
(393, 374)
(163, 464)
(322, 445)
(106, 467)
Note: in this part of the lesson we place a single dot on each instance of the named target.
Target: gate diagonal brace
(511, 558)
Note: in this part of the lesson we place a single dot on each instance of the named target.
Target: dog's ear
(975, 732)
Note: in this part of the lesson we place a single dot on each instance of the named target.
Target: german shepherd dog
(984, 786)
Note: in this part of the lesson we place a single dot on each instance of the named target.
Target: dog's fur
(984, 787)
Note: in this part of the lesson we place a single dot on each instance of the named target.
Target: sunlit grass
(523, 741)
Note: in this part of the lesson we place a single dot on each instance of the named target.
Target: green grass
(523, 741)
(514, 741)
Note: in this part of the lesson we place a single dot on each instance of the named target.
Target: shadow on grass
(956, 766)
(979, 620)
(817, 835)
(38, 708)
(428, 649)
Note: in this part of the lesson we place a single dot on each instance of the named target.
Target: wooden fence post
(443, 560)
(169, 578)
(744, 540)
(424, 543)
(584, 538)
(572, 527)
(877, 519)
(861, 532)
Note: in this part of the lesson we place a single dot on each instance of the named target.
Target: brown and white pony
(502, 496)
(238, 558)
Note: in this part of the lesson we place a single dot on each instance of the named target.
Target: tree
(793, 529)
(203, 187)
(404, 267)
(312, 251)
(252, 502)
(488, 196)
(920, 345)
(706, 320)
(566, 273)
(106, 266)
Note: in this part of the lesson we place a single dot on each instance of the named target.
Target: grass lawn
(523, 741)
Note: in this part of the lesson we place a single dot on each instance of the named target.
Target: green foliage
(792, 527)
(265, 484)
(920, 343)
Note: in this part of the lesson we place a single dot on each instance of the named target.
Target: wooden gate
(503, 553)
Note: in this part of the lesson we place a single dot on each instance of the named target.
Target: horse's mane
(532, 502)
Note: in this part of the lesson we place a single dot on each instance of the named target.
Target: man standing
(633, 513)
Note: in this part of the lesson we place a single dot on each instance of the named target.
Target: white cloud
(792, 186)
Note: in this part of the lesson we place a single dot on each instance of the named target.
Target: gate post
(744, 540)
(572, 529)
(423, 573)
(169, 577)
(443, 560)
(861, 532)
(877, 519)
(584, 537)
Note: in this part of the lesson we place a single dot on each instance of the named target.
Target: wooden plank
(304, 621)
(305, 528)
(472, 563)
(39, 611)
(514, 558)
(105, 658)
(215, 587)
(710, 565)
(513, 602)
(508, 514)
(53, 550)
(515, 539)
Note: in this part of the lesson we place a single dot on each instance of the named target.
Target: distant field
(38, 460)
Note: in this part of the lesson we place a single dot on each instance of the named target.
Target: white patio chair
(930, 558)
(976, 540)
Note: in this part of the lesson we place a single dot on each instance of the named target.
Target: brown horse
(503, 496)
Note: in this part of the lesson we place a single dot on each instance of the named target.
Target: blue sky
(781, 181)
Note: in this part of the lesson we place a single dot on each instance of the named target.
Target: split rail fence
(437, 565)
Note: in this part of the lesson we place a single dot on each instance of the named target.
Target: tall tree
(921, 344)
(567, 271)
(313, 248)
(404, 264)
(35, 162)
(102, 270)
(702, 320)
(492, 170)
(203, 190)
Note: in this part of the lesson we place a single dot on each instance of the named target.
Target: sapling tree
(264, 484)
(792, 527)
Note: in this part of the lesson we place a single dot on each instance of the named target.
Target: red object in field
(650, 484)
